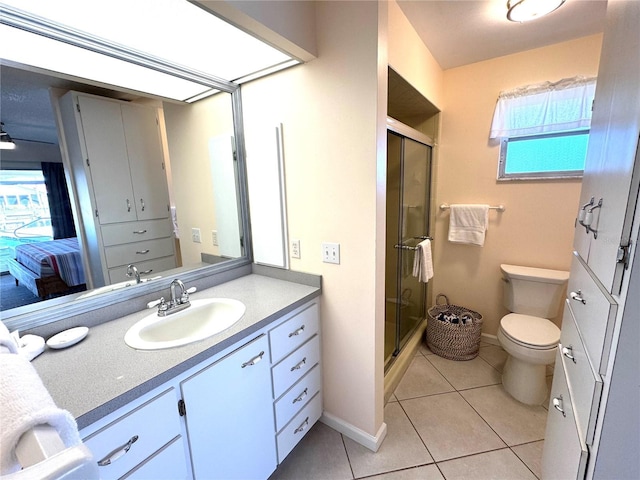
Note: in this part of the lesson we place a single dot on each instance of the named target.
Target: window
(544, 129)
(559, 155)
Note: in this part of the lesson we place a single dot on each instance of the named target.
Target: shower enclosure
(408, 193)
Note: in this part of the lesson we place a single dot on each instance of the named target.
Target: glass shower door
(408, 191)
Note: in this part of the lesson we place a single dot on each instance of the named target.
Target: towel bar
(500, 208)
(408, 247)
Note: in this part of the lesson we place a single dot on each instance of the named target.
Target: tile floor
(446, 420)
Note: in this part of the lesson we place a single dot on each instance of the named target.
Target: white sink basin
(202, 319)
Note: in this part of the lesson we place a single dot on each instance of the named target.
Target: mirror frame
(30, 316)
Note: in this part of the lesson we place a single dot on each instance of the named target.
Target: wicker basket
(455, 341)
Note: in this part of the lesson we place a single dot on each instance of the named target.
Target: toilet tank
(533, 291)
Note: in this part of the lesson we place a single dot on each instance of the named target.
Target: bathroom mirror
(193, 189)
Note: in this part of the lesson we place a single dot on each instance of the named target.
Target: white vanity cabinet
(117, 164)
(236, 415)
(229, 416)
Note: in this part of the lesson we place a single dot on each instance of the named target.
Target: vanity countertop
(101, 373)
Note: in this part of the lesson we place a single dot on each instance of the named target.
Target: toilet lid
(535, 331)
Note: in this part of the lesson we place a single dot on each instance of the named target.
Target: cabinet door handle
(139, 232)
(254, 360)
(568, 352)
(302, 426)
(299, 398)
(142, 204)
(299, 365)
(577, 296)
(297, 332)
(118, 452)
(128, 205)
(143, 252)
(558, 405)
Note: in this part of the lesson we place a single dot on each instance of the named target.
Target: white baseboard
(354, 433)
(492, 339)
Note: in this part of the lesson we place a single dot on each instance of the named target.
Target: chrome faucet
(132, 271)
(179, 301)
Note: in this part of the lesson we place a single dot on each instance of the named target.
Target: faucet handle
(160, 303)
(185, 294)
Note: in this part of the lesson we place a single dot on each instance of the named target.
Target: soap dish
(67, 338)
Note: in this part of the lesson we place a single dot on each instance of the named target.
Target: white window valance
(544, 108)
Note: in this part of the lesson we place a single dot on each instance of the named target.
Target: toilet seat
(531, 332)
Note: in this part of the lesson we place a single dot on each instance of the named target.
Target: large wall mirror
(202, 150)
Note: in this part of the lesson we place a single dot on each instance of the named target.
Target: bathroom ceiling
(459, 32)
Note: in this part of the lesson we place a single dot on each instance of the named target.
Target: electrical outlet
(295, 248)
(331, 253)
(214, 237)
(195, 235)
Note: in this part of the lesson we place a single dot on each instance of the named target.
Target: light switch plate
(295, 248)
(195, 235)
(331, 253)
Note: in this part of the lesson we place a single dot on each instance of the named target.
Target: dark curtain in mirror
(59, 202)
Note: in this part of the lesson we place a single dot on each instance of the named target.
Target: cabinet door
(230, 416)
(108, 162)
(146, 161)
(613, 145)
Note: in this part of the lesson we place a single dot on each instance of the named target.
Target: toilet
(533, 295)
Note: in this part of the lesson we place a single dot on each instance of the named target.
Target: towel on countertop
(422, 262)
(468, 224)
(26, 403)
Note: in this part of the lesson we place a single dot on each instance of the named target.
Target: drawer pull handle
(568, 352)
(558, 405)
(128, 205)
(299, 365)
(139, 232)
(254, 360)
(577, 296)
(302, 426)
(297, 332)
(118, 452)
(143, 252)
(142, 204)
(301, 396)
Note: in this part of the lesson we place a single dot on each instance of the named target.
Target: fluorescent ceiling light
(526, 10)
(177, 38)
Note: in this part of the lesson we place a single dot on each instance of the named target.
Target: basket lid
(534, 331)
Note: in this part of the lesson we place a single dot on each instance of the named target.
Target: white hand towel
(468, 224)
(422, 262)
(25, 403)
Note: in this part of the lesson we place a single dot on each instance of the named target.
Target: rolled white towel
(26, 403)
(422, 262)
(8, 343)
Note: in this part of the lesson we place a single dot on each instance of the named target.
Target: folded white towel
(468, 223)
(422, 262)
(26, 403)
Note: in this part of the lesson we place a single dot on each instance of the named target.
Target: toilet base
(524, 381)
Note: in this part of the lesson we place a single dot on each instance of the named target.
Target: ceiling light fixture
(526, 10)
(6, 142)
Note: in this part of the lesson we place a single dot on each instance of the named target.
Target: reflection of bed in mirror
(48, 268)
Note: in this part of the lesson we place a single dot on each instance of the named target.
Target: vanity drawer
(138, 252)
(288, 336)
(298, 427)
(148, 269)
(295, 366)
(565, 454)
(154, 423)
(297, 396)
(129, 232)
(594, 310)
(584, 380)
(169, 463)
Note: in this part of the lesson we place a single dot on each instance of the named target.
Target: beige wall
(189, 128)
(537, 227)
(329, 111)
